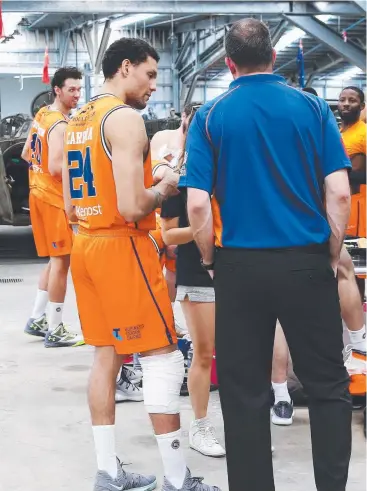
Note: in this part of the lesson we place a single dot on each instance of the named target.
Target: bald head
(248, 45)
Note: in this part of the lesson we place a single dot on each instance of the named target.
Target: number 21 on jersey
(82, 170)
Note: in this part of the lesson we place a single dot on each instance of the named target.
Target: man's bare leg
(282, 412)
(40, 304)
(350, 302)
(165, 368)
(37, 324)
(101, 398)
(57, 289)
(57, 335)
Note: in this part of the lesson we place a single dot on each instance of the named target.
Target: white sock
(105, 444)
(358, 339)
(174, 463)
(40, 304)
(54, 315)
(281, 392)
(137, 364)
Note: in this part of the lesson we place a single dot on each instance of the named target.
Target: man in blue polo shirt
(267, 176)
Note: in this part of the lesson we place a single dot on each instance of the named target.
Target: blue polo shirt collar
(259, 78)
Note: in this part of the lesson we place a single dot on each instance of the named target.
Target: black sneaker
(282, 413)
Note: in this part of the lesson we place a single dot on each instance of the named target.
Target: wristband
(158, 198)
(207, 267)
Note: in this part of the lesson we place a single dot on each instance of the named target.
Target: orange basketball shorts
(52, 234)
(121, 293)
(157, 239)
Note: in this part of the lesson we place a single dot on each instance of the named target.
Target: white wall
(13, 100)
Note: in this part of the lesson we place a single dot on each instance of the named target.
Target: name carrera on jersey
(79, 137)
(88, 211)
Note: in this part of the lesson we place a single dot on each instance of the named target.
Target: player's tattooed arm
(127, 150)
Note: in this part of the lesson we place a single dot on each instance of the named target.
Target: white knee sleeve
(163, 376)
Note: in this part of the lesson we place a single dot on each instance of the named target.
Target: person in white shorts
(195, 292)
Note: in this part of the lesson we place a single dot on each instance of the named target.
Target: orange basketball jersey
(92, 184)
(42, 184)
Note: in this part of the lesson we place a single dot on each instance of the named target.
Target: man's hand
(168, 185)
(171, 251)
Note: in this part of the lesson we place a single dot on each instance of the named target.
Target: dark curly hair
(135, 50)
(62, 74)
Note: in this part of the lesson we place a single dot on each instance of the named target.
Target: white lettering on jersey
(79, 137)
(88, 211)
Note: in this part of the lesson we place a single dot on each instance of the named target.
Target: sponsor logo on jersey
(88, 211)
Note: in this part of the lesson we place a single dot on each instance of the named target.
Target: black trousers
(254, 289)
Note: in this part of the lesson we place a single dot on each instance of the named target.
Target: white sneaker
(203, 440)
(133, 376)
(355, 363)
(127, 391)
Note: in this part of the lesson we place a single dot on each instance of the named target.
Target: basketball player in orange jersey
(122, 296)
(52, 233)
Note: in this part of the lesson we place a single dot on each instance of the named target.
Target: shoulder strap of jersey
(103, 139)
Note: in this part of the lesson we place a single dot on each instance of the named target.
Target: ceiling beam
(278, 31)
(294, 60)
(38, 21)
(210, 7)
(218, 55)
(185, 47)
(318, 30)
(322, 68)
(102, 47)
(362, 4)
(191, 90)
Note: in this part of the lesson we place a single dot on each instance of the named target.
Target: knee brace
(163, 376)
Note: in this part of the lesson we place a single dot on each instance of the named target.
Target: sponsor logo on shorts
(175, 444)
(133, 332)
(116, 334)
(89, 211)
(59, 244)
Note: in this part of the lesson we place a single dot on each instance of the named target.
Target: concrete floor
(45, 436)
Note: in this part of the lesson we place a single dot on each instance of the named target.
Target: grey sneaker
(124, 481)
(62, 338)
(190, 484)
(37, 327)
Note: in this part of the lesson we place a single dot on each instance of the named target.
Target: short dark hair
(356, 89)
(135, 50)
(189, 107)
(310, 90)
(248, 44)
(62, 74)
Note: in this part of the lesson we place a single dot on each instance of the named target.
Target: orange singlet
(121, 293)
(51, 230)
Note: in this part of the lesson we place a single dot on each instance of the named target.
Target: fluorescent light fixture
(132, 19)
(296, 33)
(322, 5)
(348, 74)
(324, 18)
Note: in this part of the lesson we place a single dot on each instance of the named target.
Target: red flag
(46, 77)
(1, 21)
